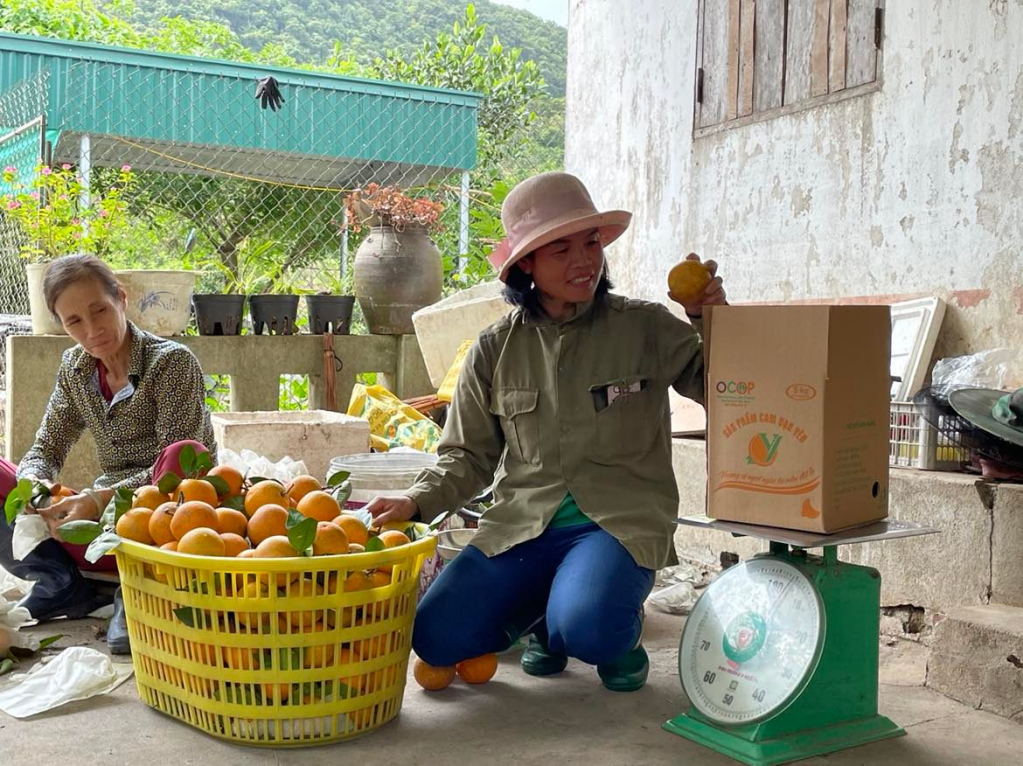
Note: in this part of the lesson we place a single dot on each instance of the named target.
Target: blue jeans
(576, 588)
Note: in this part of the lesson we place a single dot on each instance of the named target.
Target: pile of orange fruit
(193, 519)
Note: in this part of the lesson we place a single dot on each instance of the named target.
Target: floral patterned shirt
(163, 402)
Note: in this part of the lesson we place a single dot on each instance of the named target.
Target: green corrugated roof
(141, 105)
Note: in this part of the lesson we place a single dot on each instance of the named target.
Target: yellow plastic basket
(218, 644)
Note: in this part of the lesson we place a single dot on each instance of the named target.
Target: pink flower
(10, 169)
(76, 222)
(13, 204)
(104, 213)
(47, 171)
(125, 168)
(65, 166)
(34, 195)
(63, 198)
(78, 235)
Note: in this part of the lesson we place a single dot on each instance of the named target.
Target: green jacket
(532, 410)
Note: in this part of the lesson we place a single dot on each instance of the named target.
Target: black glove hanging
(268, 93)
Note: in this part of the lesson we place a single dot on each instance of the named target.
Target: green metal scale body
(779, 659)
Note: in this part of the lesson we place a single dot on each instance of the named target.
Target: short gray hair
(71, 269)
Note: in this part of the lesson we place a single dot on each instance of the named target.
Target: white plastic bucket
(380, 473)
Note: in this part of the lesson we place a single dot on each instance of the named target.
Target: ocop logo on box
(735, 387)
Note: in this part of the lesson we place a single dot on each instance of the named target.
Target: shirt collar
(582, 310)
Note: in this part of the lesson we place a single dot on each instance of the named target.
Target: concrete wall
(914, 189)
(254, 362)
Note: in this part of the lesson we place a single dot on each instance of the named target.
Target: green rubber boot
(627, 674)
(538, 660)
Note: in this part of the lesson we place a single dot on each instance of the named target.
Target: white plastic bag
(679, 598)
(13, 587)
(75, 674)
(999, 368)
(253, 464)
(30, 531)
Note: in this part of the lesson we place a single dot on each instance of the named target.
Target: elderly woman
(565, 401)
(141, 397)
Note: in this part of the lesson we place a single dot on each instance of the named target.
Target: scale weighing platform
(779, 657)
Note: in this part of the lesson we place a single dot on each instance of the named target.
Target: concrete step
(977, 658)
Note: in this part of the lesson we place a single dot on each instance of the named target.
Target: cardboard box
(797, 415)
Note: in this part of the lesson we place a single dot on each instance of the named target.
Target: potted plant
(275, 305)
(398, 268)
(49, 210)
(331, 310)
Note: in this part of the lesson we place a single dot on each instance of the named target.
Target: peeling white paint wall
(917, 188)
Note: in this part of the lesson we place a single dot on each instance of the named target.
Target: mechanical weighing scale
(779, 657)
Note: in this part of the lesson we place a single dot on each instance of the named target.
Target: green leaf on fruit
(123, 500)
(219, 484)
(168, 482)
(186, 459)
(186, 614)
(336, 479)
(203, 463)
(18, 499)
(342, 492)
(302, 534)
(234, 502)
(374, 544)
(80, 532)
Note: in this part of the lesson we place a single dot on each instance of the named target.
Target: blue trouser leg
(593, 611)
(581, 578)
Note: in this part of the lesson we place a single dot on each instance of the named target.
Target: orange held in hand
(431, 678)
(478, 670)
(688, 280)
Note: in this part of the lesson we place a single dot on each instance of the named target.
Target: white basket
(915, 443)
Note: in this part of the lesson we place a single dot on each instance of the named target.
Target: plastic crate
(272, 652)
(915, 443)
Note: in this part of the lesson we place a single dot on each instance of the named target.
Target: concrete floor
(565, 720)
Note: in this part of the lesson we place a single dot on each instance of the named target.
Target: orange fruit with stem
(231, 476)
(320, 506)
(202, 542)
(148, 497)
(159, 524)
(433, 678)
(330, 539)
(192, 515)
(134, 525)
(197, 490)
(230, 520)
(301, 486)
(234, 544)
(266, 492)
(353, 527)
(478, 670)
(266, 522)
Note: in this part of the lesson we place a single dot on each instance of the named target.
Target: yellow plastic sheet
(392, 423)
(447, 388)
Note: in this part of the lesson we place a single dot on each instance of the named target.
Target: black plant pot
(330, 313)
(275, 312)
(219, 314)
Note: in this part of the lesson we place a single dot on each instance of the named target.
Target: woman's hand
(387, 509)
(74, 508)
(713, 295)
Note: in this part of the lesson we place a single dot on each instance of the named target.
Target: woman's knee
(596, 636)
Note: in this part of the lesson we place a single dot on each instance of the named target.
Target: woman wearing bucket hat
(565, 402)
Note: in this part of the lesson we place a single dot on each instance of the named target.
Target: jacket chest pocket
(628, 424)
(517, 410)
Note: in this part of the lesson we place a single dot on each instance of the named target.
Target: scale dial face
(752, 642)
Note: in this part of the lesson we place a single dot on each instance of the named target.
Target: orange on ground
(432, 678)
(320, 506)
(330, 539)
(267, 492)
(266, 522)
(171, 546)
(688, 280)
(148, 497)
(232, 476)
(478, 670)
(234, 544)
(277, 547)
(193, 515)
(202, 542)
(230, 520)
(353, 527)
(134, 525)
(159, 524)
(197, 490)
(301, 486)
